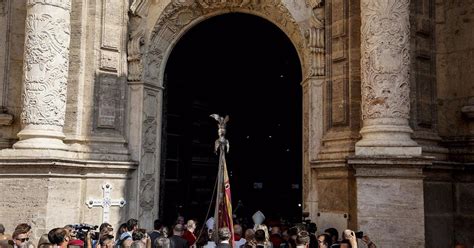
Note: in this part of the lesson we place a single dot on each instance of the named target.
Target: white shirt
(239, 243)
(210, 244)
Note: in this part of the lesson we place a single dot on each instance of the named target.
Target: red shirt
(237, 237)
(189, 236)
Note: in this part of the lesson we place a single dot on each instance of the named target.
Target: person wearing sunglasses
(20, 238)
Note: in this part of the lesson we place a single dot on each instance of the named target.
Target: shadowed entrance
(243, 66)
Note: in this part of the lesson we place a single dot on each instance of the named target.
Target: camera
(359, 235)
(82, 229)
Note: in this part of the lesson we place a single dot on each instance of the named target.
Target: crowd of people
(186, 235)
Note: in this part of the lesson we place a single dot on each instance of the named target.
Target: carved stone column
(45, 72)
(385, 63)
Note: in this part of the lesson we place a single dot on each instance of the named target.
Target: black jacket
(178, 242)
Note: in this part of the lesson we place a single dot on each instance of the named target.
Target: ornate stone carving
(316, 39)
(179, 13)
(225, 3)
(147, 189)
(138, 13)
(45, 70)
(109, 60)
(149, 137)
(385, 59)
(150, 125)
(385, 88)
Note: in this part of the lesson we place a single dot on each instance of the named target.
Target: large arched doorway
(246, 67)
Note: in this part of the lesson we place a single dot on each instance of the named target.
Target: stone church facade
(388, 110)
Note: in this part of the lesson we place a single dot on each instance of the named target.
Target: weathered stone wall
(455, 90)
(13, 23)
(38, 182)
(423, 94)
(49, 194)
(96, 116)
(334, 181)
(439, 195)
(390, 204)
(455, 75)
(464, 206)
(342, 85)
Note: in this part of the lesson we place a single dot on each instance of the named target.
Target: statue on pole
(223, 209)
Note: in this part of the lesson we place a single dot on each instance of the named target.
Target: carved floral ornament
(45, 70)
(385, 59)
(179, 14)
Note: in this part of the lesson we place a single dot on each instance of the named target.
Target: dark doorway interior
(246, 67)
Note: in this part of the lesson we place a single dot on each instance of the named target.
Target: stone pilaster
(45, 72)
(390, 200)
(385, 63)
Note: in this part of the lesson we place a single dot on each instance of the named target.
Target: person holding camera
(350, 239)
(73, 240)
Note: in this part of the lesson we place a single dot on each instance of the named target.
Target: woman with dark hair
(324, 241)
(122, 228)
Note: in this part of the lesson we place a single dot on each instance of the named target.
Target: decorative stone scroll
(138, 13)
(45, 69)
(385, 88)
(317, 39)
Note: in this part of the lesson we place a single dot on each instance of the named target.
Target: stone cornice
(63, 4)
(6, 119)
(390, 167)
(67, 168)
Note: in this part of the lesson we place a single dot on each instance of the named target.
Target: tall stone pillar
(385, 89)
(387, 162)
(45, 72)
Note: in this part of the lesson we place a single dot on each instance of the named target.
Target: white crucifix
(106, 202)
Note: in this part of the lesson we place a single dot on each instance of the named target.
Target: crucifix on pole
(106, 202)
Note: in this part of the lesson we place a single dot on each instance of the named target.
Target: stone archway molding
(147, 56)
(180, 16)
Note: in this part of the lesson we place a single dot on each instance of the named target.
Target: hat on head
(210, 223)
(258, 218)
